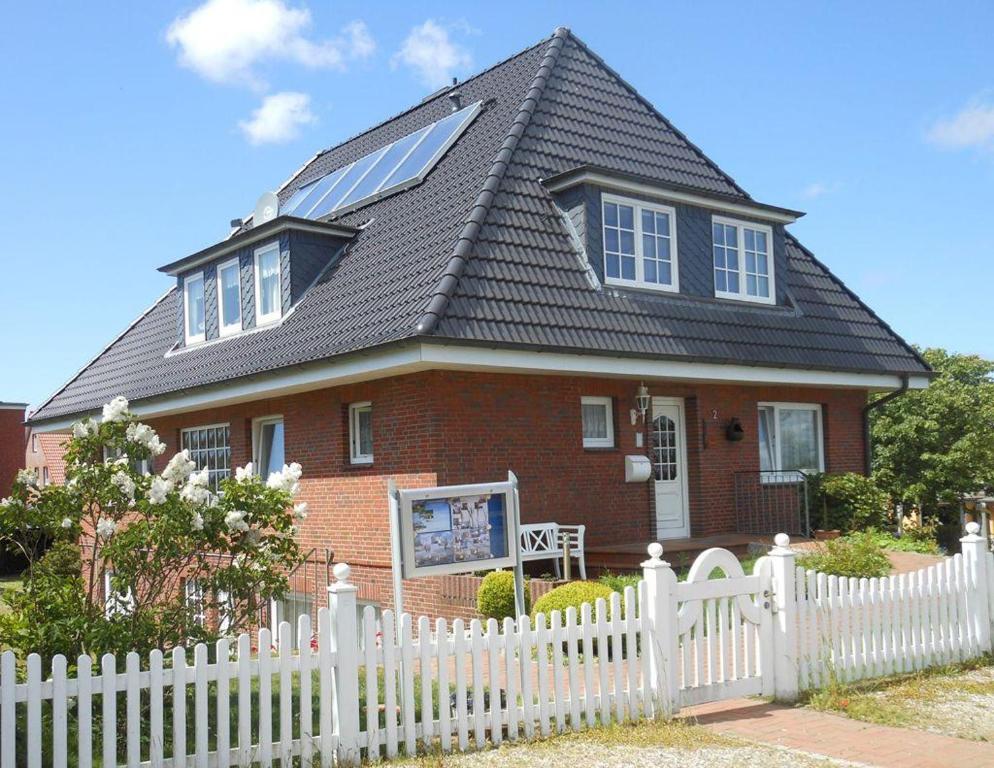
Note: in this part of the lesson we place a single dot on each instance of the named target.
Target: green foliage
(922, 538)
(48, 614)
(847, 502)
(150, 535)
(935, 444)
(575, 594)
(857, 556)
(495, 597)
(617, 582)
(917, 540)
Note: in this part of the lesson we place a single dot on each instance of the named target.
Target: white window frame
(355, 454)
(196, 603)
(272, 317)
(46, 477)
(220, 425)
(739, 224)
(187, 281)
(228, 330)
(779, 475)
(639, 281)
(257, 425)
(608, 404)
(34, 443)
(116, 603)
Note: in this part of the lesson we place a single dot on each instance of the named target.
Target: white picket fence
(861, 628)
(369, 689)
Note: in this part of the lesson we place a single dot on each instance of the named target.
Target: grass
(954, 699)
(642, 734)
(8, 583)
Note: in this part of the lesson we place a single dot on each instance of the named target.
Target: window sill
(744, 298)
(618, 282)
(600, 448)
(783, 477)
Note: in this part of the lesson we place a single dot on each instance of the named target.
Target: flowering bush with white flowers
(149, 536)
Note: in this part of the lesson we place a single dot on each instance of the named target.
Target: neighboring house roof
(53, 449)
(478, 253)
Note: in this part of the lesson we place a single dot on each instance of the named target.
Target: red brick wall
(444, 427)
(12, 436)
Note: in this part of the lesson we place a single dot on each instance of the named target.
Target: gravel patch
(958, 705)
(563, 753)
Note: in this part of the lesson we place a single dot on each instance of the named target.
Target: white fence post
(660, 584)
(345, 645)
(785, 664)
(974, 549)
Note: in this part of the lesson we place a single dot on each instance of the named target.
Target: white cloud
(970, 128)
(432, 56)
(223, 40)
(279, 118)
(819, 189)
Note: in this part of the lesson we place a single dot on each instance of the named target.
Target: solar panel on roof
(389, 169)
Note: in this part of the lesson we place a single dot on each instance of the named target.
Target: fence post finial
(345, 644)
(661, 585)
(782, 559)
(977, 561)
(342, 572)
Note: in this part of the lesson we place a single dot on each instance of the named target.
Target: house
(11, 443)
(44, 455)
(531, 270)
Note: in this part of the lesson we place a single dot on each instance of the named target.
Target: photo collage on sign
(456, 530)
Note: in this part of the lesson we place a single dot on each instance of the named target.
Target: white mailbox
(638, 469)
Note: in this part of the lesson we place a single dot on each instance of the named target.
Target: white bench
(543, 541)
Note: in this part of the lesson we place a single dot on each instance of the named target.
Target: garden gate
(724, 630)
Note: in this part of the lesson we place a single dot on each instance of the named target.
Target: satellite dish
(267, 209)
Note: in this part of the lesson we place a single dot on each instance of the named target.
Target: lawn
(955, 701)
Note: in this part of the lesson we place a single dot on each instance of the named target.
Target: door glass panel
(663, 436)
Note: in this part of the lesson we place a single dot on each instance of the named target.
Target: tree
(171, 549)
(936, 444)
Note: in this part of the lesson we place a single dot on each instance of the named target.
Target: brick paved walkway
(839, 737)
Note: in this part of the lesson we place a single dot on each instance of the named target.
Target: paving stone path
(833, 736)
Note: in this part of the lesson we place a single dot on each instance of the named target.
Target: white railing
(333, 700)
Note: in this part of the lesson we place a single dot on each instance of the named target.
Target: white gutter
(614, 183)
(417, 357)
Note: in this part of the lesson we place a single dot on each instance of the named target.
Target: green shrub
(617, 582)
(575, 594)
(851, 556)
(495, 598)
(848, 502)
(913, 540)
(922, 538)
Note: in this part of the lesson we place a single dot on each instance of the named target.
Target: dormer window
(229, 297)
(639, 244)
(743, 260)
(193, 305)
(268, 288)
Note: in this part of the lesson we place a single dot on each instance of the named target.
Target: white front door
(668, 454)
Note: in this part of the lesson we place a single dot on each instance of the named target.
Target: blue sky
(133, 132)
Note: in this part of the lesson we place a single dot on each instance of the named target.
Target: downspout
(867, 445)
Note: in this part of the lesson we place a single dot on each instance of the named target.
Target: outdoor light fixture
(642, 399)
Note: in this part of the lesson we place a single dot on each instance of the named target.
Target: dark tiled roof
(477, 252)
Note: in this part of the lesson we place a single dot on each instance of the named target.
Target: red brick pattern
(12, 437)
(445, 427)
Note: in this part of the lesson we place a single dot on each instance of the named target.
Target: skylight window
(399, 165)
